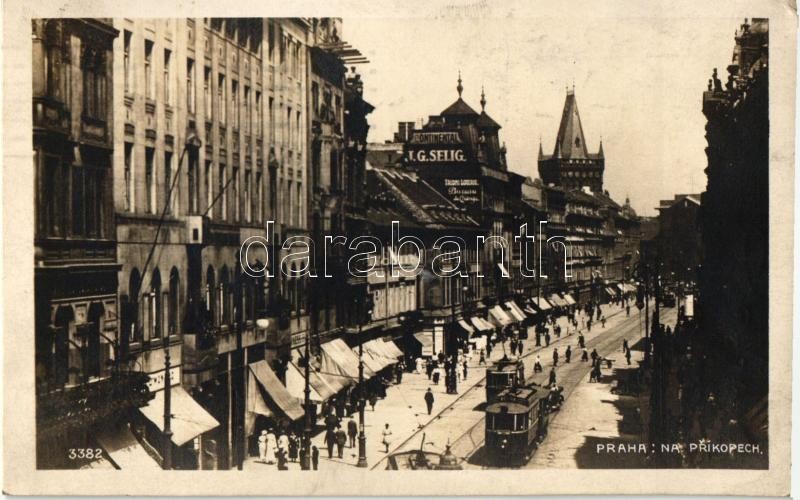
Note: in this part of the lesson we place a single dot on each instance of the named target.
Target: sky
(638, 84)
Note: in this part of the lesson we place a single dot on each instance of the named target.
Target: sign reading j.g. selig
(435, 147)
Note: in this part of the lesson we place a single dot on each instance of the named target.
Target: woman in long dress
(387, 437)
(272, 445)
(262, 446)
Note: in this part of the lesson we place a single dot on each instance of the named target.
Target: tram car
(504, 374)
(515, 424)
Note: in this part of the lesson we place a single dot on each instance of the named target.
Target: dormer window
(577, 142)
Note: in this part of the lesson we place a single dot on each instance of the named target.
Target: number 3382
(84, 453)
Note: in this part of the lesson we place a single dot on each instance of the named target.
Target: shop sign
(463, 191)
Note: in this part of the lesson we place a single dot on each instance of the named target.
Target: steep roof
(459, 108)
(570, 142)
(486, 121)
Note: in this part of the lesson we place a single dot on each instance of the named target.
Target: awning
(426, 339)
(296, 384)
(377, 348)
(541, 303)
(503, 269)
(125, 450)
(529, 310)
(338, 359)
(569, 299)
(392, 349)
(189, 419)
(515, 311)
(480, 324)
(621, 287)
(499, 315)
(466, 326)
(373, 363)
(323, 382)
(278, 395)
(612, 292)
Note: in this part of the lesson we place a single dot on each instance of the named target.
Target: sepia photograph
(458, 240)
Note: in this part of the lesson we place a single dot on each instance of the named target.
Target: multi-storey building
(83, 385)
(734, 282)
(211, 144)
(679, 238)
(601, 236)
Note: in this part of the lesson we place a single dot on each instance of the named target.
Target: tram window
(499, 379)
(503, 422)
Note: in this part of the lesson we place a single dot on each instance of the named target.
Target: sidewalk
(404, 408)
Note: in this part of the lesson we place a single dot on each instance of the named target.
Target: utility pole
(362, 438)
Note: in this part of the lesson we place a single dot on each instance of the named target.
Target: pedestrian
(352, 431)
(552, 379)
(555, 357)
(283, 442)
(513, 346)
(272, 447)
(262, 446)
(387, 440)
(584, 356)
(558, 331)
(482, 358)
(373, 400)
(594, 355)
(628, 356)
(489, 349)
(547, 338)
(465, 369)
(282, 459)
(589, 324)
(628, 310)
(341, 440)
(429, 400)
(314, 457)
(519, 348)
(582, 341)
(568, 353)
(537, 365)
(330, 441)
(625, 345)
(293, 447)
(603, 321)
(436, 375)
(398, 373)
(429, 368)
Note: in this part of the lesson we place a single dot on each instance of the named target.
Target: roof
(408, 194)
(570, 140)
(694, 198)
(486, 121)
(459, 108)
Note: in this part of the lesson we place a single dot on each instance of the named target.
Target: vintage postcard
(418, 248)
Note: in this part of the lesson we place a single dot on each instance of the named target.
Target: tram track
(480, 386)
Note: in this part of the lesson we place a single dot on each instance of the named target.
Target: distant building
(679, 239)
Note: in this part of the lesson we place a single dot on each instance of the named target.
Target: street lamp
(362, 438)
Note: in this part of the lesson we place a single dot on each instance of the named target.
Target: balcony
(60, 410)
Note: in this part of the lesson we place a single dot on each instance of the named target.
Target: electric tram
(516, 422)
(504, 374)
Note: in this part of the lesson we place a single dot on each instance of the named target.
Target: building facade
(735, 220)
(680, 238)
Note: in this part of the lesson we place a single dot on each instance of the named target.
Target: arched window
(224, 297)
(133, 323)
(211, 294)
(156, 307)
(173, 305)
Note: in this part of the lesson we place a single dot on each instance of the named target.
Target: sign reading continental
(435, 147)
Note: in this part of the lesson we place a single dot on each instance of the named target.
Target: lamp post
(362, 438)
(167, 463)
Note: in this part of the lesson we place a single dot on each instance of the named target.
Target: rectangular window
(190, 96)
(194, 184)
(78, 200)
(235, 103)
(167, 80)
(53, 196)
(248, 202)
(208, 184)
(271, 40)
(288, 127)
(272, 120)
(259, 115)
(221, 104)
(127, 62)
(259, 198)
(297, 132)
(237, 203)
(222, 193)
(207, 92)
(315, 98)
(148, 69)
(169, 195)
(149, 181)
(129, 203)
(246, 109)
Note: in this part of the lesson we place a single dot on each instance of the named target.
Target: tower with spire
(571, 165)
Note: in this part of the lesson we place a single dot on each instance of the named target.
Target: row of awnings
(335, 369)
